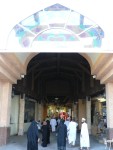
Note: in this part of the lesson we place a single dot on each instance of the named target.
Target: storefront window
(29, 114)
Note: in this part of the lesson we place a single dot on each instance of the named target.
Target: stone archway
(31, 55)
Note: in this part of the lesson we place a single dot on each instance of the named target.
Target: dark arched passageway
(58, 78)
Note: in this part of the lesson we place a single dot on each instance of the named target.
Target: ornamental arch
(26, 34)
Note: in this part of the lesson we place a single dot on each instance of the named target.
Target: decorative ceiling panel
(68, 24)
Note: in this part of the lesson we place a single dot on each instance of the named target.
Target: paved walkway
(20, 143)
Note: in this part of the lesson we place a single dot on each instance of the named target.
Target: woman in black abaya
(48, 132)
(44, 130)
(61, 135)
(32, 136)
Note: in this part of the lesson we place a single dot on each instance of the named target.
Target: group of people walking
(68, 130)
(65, 131)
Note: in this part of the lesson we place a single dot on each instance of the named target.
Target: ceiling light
(102, 99)
(94, 76)
(22, 75)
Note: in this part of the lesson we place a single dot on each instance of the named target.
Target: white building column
(5, 107)
(21, 115)
(88, 113)
(109, 109)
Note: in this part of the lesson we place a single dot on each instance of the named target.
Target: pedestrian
(61, 135)
(53, 124)
(84, 135)
(48, 131)
(32, 136)
(72, 130)
(44, 131)
(58, 121)
(39, 125)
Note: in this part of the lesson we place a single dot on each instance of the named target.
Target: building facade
(16, 50)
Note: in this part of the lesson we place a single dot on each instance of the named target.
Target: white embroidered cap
(83, 119)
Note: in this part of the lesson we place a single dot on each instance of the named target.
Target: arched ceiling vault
(43, 68)
(21, 60)
(65, 76)
(86, 56)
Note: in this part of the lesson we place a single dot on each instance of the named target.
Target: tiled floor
(20, 143)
